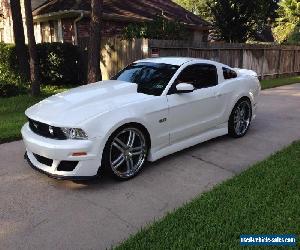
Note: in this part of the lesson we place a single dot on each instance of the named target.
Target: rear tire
(125, 153)
(240, 118)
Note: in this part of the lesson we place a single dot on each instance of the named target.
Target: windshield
(152, 78)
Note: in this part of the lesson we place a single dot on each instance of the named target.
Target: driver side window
(199, 75)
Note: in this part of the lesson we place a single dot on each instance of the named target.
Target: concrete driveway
(40, 213)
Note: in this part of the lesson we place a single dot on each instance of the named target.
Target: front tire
(240, 118)
(125, 153)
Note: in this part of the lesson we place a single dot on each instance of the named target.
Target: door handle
(218, 95)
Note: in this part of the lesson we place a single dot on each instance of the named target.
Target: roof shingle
(139, 9)
(37, 3)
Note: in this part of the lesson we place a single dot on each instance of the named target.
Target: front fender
(105, 124)
(238, 97)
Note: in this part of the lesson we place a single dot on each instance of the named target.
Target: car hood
(72, 107)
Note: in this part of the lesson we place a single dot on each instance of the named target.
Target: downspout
(75, 27)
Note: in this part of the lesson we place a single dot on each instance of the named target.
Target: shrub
(60, 64)
(10, 90)
(9, 71)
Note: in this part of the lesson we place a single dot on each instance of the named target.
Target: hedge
(9, 72)
(10, 90)
(60, 64)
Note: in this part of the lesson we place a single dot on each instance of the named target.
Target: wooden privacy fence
(117, 54)
(266, 60)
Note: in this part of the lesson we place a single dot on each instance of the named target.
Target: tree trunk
(94, 71)
(19, 36)
(34, 66)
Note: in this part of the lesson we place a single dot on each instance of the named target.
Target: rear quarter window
(229, 73)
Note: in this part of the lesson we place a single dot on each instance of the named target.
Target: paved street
(41, 213)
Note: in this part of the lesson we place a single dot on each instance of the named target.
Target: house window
(54, 31)
(49, 31)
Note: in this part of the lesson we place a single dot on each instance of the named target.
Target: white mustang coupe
(152, 108)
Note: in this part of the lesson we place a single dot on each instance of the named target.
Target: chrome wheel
(242, 118)
(128, 153)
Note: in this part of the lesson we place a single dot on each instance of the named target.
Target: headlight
(74, 133)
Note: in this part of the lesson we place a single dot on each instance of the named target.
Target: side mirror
(185, 88)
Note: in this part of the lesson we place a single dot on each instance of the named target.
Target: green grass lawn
(265, 199)
(12, 112)
(266, 84)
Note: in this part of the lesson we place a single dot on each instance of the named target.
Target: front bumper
(55, 176)
(59, 151)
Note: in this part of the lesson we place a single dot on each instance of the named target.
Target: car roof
(175, 60)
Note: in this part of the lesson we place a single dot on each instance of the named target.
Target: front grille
(43, 160)
(46, 130)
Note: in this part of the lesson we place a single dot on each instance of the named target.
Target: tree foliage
(287, 28)
(160, 28)
(234, 20)
(289, 10)
(198, 7)
(241, 20)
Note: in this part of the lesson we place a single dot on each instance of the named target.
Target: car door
(193, 113)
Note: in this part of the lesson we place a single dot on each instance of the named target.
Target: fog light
(67, 166)
(79, 154)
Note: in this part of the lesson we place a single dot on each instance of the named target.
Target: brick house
(68, 20)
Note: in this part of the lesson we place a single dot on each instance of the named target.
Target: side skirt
(216, 132)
